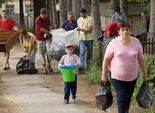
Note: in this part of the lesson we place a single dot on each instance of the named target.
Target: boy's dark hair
(118, 9)
(4, 11)
(43, 11)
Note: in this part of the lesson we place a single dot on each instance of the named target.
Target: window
(10, 8)
(28, 8)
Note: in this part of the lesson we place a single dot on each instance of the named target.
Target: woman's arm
(105, 66)
(29, 52)
(25, 50)
(143, 67)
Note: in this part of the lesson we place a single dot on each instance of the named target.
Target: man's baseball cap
(83, 10)
(69, 45)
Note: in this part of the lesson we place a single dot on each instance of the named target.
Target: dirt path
(42, 93)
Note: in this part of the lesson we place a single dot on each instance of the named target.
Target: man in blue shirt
(70, 23)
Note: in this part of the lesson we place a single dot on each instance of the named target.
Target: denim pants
(124, 91)
(70, 86)
(83, 45)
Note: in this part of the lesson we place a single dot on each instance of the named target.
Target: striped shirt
(70, 60)
(69, 26)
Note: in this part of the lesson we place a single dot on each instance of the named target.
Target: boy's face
(69, 50)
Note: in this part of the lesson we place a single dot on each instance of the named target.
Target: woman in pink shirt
(123, 56)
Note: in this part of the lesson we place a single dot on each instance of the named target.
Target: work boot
(45, 71)
(49, 68)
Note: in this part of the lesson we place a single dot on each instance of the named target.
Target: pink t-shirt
(41, 23)
(70, 60)
(124, 59)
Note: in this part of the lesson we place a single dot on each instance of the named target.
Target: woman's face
(124, 32)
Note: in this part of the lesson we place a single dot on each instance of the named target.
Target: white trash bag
(60, 37)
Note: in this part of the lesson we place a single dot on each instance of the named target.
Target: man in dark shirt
(70, 23)
(146, 16)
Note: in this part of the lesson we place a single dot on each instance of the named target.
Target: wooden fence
(148, 45)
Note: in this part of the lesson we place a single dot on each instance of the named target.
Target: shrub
(150, 64)
(31, 30)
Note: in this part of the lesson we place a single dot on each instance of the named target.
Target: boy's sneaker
(66, 102)
(49, 68)
(73, 97)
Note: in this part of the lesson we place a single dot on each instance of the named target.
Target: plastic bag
(25, 67)
(60, 37)
(144, 97)
(104, 98)
(100, 38)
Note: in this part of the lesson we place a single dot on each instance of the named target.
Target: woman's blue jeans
(83, 45)
(124, 91)
(70, 86)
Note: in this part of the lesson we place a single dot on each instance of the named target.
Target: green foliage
(138, 0)
(150, 64)
(31, 30)
(4, 1)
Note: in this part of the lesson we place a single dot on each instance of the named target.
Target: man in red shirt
(7, 24)
(43, 27)
(111, 30)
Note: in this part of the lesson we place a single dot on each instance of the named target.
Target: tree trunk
(97, 25)
(62, 10)
(124, 7)
(114, 4)
(76, 5)
(56, 20)
(151, 33)
(22, 23)
(37, 5)
(69, 6)
(49, 5)
(86, 5)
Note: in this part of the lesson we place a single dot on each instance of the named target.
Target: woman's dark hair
(123, 24)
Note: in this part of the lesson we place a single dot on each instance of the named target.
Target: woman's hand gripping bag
(104, 98)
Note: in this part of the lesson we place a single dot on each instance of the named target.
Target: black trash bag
(25, 67)
(100, 38)
(104, 98)
(144, 97)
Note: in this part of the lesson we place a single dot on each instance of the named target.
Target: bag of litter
(144, 97)
(104, 98)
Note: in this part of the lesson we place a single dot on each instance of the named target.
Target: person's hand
(104, 78)
(25, 50)
(50, 35)
(78, 29)
(145, 78)
(26, 58)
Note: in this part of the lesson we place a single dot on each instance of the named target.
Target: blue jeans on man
(70, 86)
(83, 45)
(124, 91)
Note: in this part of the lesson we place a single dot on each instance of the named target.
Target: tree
(55, 15)
(114, 4)
(69, 6)
(97, 24)
(124, 6)
(62, 10)
(3, 1)
(151, 33)
(86, 5)
(37, 5)
(22, 23)
(76, 5)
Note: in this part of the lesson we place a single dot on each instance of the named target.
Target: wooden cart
(7, 40)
